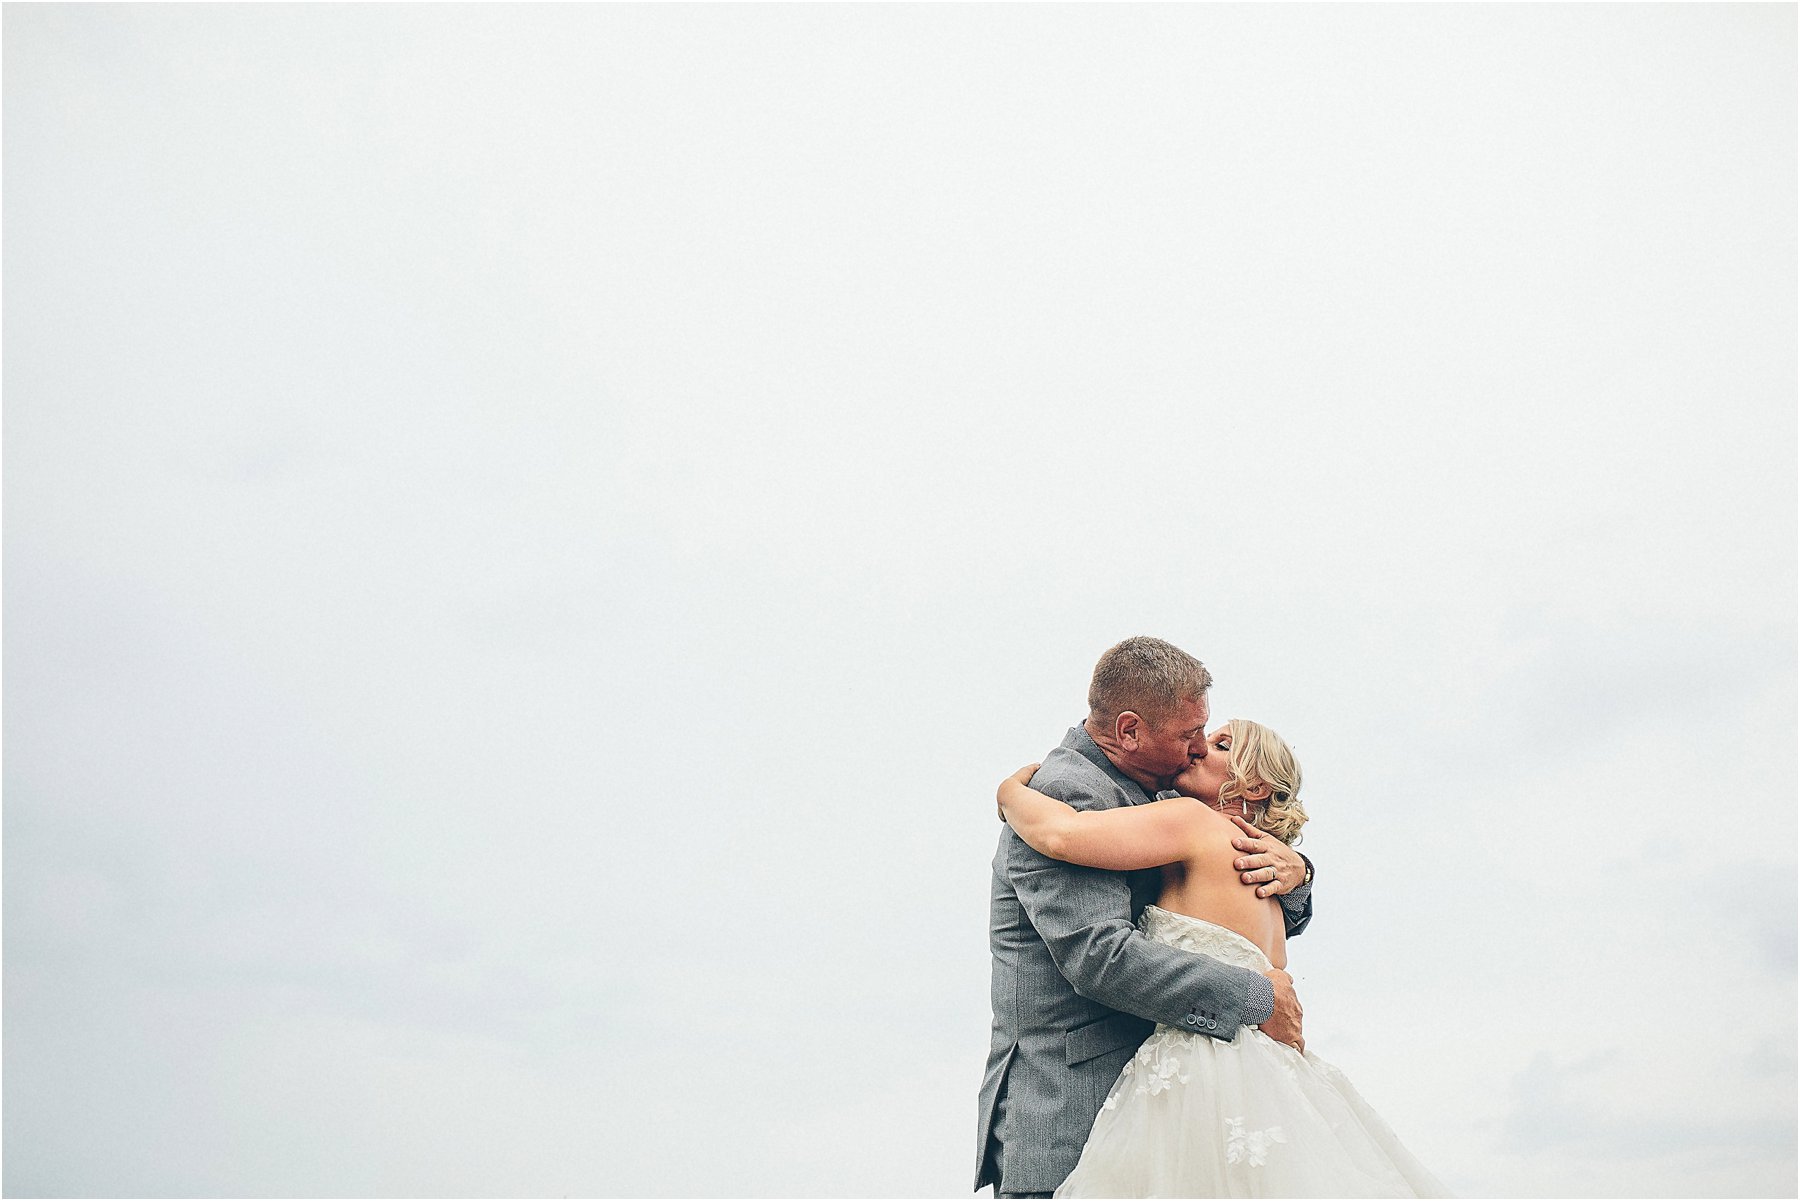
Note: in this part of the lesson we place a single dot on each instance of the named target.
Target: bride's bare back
(1204, 884)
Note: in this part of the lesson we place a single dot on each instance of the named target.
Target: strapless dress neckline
(1202, 937)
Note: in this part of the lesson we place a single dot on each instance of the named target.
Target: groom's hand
(1284, 1024)
(1272, 865)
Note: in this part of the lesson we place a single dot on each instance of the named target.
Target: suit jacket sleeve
(1296, 908)
(1083, 914)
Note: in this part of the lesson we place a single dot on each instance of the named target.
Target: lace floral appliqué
(1249, 1146)
(1161, 1069)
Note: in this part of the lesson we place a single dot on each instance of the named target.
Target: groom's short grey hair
(1147, 676)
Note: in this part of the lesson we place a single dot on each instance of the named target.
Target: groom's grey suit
(1076, 988)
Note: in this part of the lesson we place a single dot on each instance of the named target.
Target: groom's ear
(1127, 727)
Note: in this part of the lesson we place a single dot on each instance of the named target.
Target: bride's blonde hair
(1259, 756)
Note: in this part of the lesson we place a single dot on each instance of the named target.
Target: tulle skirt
(1191, 1116)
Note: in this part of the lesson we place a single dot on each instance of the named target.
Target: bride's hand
(1022, 777)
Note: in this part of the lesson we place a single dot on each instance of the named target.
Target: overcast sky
(532, 533)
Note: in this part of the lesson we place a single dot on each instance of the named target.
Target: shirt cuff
(1261, 1005)
(1295, 898)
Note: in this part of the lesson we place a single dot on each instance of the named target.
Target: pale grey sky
(531, 534)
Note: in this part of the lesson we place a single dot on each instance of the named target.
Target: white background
(532, 533)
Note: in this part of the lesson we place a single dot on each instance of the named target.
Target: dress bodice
(1202, 938)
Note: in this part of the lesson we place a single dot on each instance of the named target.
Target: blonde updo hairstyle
(1259, 756)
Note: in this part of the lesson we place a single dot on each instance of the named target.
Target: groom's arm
(1083, 914)
(1296, 906)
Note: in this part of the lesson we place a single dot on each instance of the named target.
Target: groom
(1076, 988)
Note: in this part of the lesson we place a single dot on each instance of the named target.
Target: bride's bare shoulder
(1206, 827)
(1182, 810)
(1213, 832)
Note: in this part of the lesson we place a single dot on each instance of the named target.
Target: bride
(1192, 1116)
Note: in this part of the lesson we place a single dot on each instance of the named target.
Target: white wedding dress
(1193, 1116)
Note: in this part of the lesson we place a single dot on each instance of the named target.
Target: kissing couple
(1147, 1040)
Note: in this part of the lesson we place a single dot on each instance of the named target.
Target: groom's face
(1166, 748)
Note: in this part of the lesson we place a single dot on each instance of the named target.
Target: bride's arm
(1122, 839)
